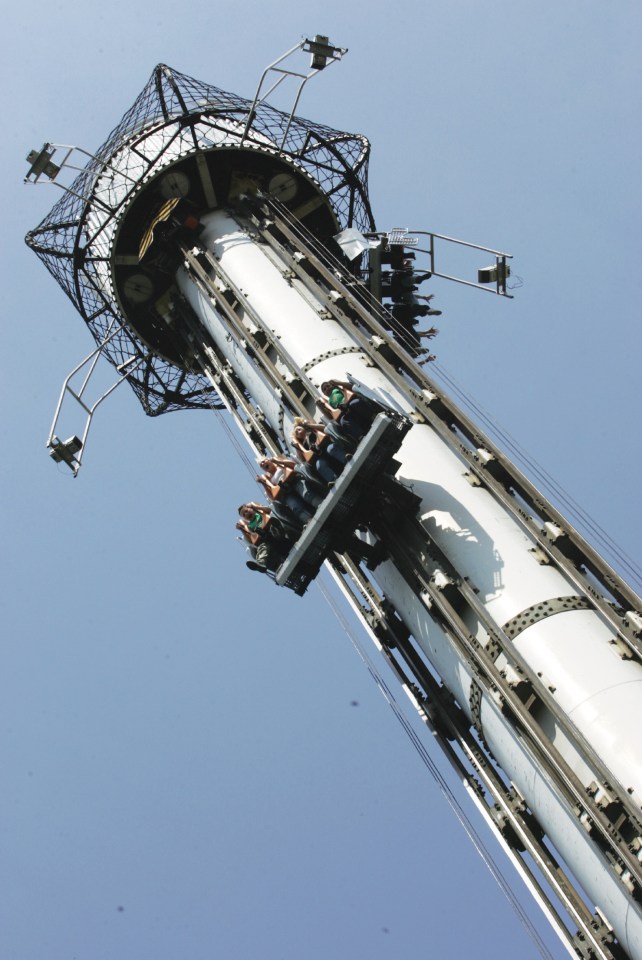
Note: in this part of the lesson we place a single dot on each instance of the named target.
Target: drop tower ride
(224, 254)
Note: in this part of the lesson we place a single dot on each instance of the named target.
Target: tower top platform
(182, 140)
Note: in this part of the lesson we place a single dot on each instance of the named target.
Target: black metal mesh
(74, 240)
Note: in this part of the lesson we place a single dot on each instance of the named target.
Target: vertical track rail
(417, 558)
(501, 806)
(562, 544)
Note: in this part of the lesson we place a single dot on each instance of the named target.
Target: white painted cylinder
(571, 653)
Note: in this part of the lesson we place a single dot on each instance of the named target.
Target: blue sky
(186, 773)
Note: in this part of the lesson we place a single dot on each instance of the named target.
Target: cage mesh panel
(74, 239)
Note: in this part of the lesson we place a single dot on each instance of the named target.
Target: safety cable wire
(437, 776)
(541, 472)
(549, 483)
(240, 448)
(225, 420)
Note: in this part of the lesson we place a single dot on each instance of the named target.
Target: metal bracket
(539, 611)
(322, 53)
(46, 164)
(492, 279)
(475, 702)
(70, 451)
(341, 351)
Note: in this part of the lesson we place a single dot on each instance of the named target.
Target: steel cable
(549, 483)
(438, 778)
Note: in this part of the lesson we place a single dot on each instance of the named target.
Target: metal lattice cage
(174, 117)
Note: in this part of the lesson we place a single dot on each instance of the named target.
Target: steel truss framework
(174, 117)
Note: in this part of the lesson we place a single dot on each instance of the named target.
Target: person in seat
(353, 411)
(282, 482)
(254, 522)
(326, 455)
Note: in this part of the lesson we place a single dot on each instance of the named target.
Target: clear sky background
(196, 764)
